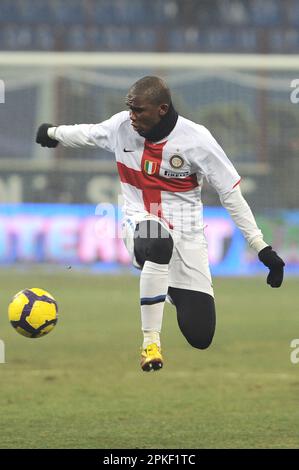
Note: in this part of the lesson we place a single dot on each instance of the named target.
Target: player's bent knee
(200, 343)
(152, 243)
(199, 328)
(196, 316)
(160, 250)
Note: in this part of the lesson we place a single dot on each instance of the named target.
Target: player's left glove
(42, 137)
(271, 259)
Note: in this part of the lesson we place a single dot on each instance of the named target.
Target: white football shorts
(189, 265)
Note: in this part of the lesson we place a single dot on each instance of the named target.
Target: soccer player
(162, 159)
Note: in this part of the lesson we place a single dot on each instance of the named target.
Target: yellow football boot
(151, 358)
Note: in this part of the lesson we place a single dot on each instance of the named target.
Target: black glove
(43, 138)
(271, 259)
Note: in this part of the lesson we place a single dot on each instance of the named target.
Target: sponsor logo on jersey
(176, 161)
(176, 174)
(150, 167)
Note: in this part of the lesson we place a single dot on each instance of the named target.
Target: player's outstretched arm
(75, 136)
(43, 138)
(103, 134)
(275, 264)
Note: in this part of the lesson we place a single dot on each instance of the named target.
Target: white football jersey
(162, 178)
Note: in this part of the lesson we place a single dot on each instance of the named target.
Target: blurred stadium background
(232, 66)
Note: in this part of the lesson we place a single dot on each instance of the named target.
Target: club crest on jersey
(150, 167)
(176, 161)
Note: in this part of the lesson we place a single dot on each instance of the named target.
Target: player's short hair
(154, 89)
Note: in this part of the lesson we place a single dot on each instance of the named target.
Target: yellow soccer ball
(33, 312)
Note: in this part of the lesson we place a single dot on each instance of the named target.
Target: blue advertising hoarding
(85, 235)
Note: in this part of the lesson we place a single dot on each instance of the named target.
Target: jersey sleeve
(212, 162)
(103, 135)
(244, 219)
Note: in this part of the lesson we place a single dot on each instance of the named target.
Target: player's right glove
(43, 138)
(271, 259)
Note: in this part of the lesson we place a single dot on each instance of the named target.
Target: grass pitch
(81, 386)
